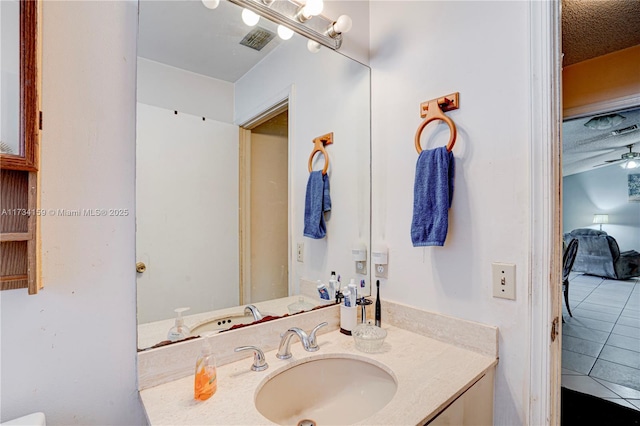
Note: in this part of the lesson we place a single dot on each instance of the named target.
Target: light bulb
(284, 32)
(631, 164)
(211, 4)
(250, 18)
(313, 46)
(343, 24)
(312, 8)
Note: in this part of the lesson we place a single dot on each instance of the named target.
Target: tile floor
(601, 342)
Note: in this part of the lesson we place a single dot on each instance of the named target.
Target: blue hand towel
(316, 203)
(432, 196)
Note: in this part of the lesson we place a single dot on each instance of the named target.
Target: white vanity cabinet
(473, 407)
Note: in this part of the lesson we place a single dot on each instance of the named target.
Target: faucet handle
(259, 361)
(313, 343)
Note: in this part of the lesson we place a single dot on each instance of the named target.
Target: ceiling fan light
(630, 164)
(604, 122)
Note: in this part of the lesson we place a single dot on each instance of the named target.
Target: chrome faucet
(257, 316)
(259, 361)
(309, 342)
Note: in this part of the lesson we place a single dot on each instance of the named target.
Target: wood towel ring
(318, 146)
(433, 110)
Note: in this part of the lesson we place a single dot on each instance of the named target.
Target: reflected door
(186, 213)
(267, 245)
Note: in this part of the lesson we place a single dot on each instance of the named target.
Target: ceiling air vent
(257, 38)
(625, 130)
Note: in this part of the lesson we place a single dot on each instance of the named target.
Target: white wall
(186, 213)
(70, 351)
(602, 190)
(329, 95)
(421, 51)
(176, 89)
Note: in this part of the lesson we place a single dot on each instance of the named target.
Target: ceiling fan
(632, 158)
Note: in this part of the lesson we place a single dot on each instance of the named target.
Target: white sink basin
(325, 391)
(221, 323)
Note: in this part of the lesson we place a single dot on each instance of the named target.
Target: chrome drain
(306, 422)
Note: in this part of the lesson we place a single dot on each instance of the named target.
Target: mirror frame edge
(30, 114)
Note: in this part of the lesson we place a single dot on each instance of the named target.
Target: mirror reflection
(9, 77)
(226, 118)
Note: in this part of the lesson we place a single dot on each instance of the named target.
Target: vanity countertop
(430, 374)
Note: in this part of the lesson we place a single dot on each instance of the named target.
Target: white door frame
(545, 306)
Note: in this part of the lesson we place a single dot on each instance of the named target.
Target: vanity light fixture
(342, 25)
(305, 19)
(284, 32)
(310, 9)
(249, 17)
(211, 4)
(313, 46)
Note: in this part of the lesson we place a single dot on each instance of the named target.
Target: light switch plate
(300, 254)
(504, 280)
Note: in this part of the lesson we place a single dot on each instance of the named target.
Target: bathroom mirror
(225, 131)
(10, 77)
(19, 106)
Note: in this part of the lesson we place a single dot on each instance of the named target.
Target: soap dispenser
(179, 331)
(206, 379)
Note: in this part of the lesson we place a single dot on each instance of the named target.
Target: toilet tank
(35, 419)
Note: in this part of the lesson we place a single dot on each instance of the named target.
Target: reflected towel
(433, 193)
(316, 203)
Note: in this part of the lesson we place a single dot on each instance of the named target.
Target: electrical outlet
(504, 280)
(301, 252)
(381, 271)
(361, 267)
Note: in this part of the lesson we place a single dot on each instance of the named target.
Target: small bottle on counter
(348, 314)
(353, 288)
(323, 292)
(206, 379)
(179, 331)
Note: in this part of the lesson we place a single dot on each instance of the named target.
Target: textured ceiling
(592, 28)
(584, 148)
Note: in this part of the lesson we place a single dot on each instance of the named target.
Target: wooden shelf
(15, 236)
(13, 282)
(8, 278)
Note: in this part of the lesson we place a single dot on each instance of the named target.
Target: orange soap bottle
(206, 380)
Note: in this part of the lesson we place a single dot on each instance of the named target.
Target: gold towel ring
(433, 110)
(318, 146)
